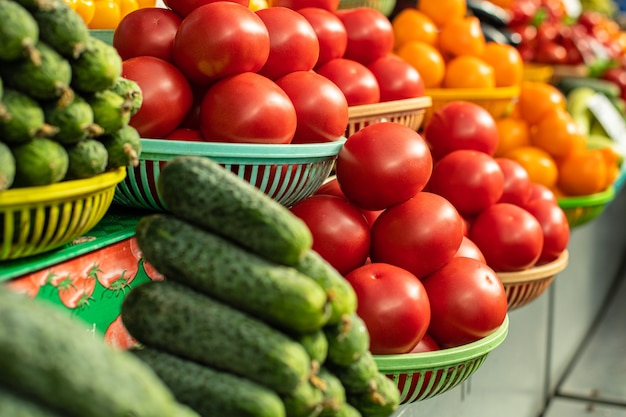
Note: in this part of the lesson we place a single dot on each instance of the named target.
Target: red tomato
(420, 235)
(370, 34)
(184, 7)
(383, 164)
(467, 301)
(427, 344)
(516, 182)
(167, 96)
(220, 39)
(332, 187)
(147, 31)
(330, 5)
(117, 336)
(470, 180)
(249, 108)
(75, 282)
(341, 234)
(468, 249)
(331, 33)
(541, 192)
(461, 125)
(397, 79)
(510, 238)
(183, 133)
(116, 267)
(556, 230)
(321, 107)
(355, 80)
(394, 306)
(293, 42)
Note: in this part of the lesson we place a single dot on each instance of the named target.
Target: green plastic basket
(583, 209)
(384, 6)
(420, 376)
(287, 173)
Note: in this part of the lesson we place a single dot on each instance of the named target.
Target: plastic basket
(538, 72)
(522, 287)
(384, 6)
(408, 112)
(287, 173)
(583, 209)
(35, 220)
(420, 376)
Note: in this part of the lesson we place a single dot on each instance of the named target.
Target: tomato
(541, 192)
(182, 133)
(516, 189)
(148, 31)
(330, 5)
(321, 107)
(383, 164)
(427, 344)
(355, 80)
(106, 15)
(86, 9)
(467, 301)
(420, 235)
(461, 125)
(247, 107)
(341, 235)
(370, 34)
(510, 238)
(469, 249)
(117, 336)
(115, 267)
(220, 39)
(469, 179)
(331, 33)
(332, 187)
(556, 230)
(77, 292)
(184, 7)
(167, 96)
(394, 306)
(293, 42)
(398, 80)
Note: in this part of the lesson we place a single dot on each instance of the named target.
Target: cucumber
(274, 293)
(343, 300)
(334, 392)
(110, 111)
(129, 90)
(608, 88)
(97, 68)
(211, 392)
(203, 192)
(359, 376)
(62, 28)
(23, 119)
(307, 400)
(315, 344)
(7, 167)
(14, 405)
(123, 146)
(381, 401)
(74, 120)
(18, 34)
(346, 410)
(87, 158)
(41, 161)
(170, 316)
(347, 341)
(65, 368)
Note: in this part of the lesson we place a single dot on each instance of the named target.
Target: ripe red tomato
(398, 80)
(167, 96)
(383, 164)
(468, 249)
(341, 235)
(516, 182)
(184, 7)
(510, 238)
(420, 235)
(427, 344)
(248, 108)
(370, 34)
(541, 192)
(556, 230)
(321, 107)
(330, 5)
(470, 180)
(330, 31)
(461, 125)
(394, 306)
(355, 80)
(183, 133)
(293, 42)
(467, 301)
(147, 31)
(332, 187)
(220, 39)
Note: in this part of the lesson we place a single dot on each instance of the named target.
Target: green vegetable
(41, 161)
(110, 111)
(129, 90)
(346, 410)
(23, 118)
(7, 167)
(97, 68)
(19, 32)
(359, 376)
(347, 341)
(123, 146)
(315, 344)
(305, 401)
(62, 28)
(87, 158)
(14, 405)
(334, 392)
(380, 401)
(74, 120)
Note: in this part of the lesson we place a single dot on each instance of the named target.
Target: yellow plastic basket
(408, 112)
(583, 209)
(538, 72)
(383, 6)
(34, 220)
(522, 287)
(420, 376)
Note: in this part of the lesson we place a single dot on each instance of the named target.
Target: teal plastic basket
(287, 173)
(421, 376)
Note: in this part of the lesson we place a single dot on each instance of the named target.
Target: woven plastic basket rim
(596, 199)
(414, 362)
(61, 191)
(385, 107)
(474, 93)
(536, 273)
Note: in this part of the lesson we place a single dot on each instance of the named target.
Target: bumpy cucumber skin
(63, 29)
(211, 392)
(381, 401)
(41, 161)
(65, 368)
(277, 294)
(87, 158)
(316, 345)
(13, 405)
(7, 167)
(203, 192)
(347, 341)
(346, 410)
(359, 376)
(334, 392)
(169, 316)
(18, 32)
(97, 68)
(307, 400)
(129, 90)
(123, 146)
(23, 119)
(110, 111)
(74, 120)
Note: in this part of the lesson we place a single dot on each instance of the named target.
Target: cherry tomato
(184, 7)
(467, 301)
(556, 230)
(517, 183)
(331, 33)
(394, 306)
(330, 5)
(355, 80)
(397, 79)
(370, 34)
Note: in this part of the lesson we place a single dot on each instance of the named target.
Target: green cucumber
(359, 376)
(129, 90)
(65, 368)
(608, 88)
(346, 410)
(19, 32)
(170, 316)
(381, 401)
(307, 400)
(41, 161)
(211, 392)
(87, 158)
(74, 120)
(334, 392)
(7, 167)
(13, 405)
(315, 344)
(110, 111)
(23, 119)
(62, 28)
(123, 146)
(203, 192)
(347, 341)
(97, 68)
(275, 293)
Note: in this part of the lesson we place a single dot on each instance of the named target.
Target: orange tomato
(106, 16)
(537, 99)
(146, 3)
(86, 10)
(127, 6)
(558, 134)
(583, 173)
(513, 132)
(441, 11)
(507, 63)
(462, 36)
(426, 59)
(412, 25)
(257, 5)
(541, 167)
(467, 71)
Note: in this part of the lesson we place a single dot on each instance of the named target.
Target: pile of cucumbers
(64, 106)
(249, 320)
